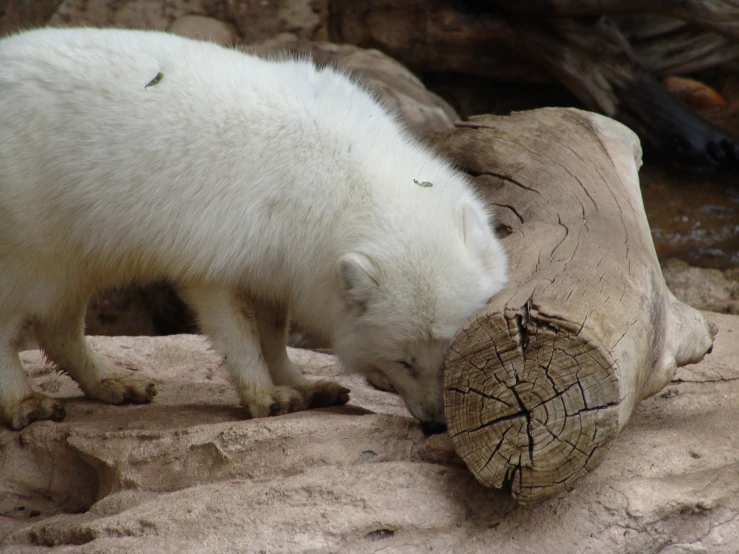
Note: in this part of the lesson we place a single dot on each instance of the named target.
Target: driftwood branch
(721, 16)
(687, 50)
(540, 382)
(596, 63)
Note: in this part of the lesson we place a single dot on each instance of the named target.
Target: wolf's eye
(408, 367)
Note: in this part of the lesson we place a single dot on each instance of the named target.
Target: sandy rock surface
(188, 474)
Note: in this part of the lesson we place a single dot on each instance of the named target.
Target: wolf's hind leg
(272, 323)
(19, 405)
(62, 340)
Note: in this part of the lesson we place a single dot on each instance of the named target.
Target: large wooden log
(540, 382)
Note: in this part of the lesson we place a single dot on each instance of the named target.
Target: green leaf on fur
(155, 80)
(423, 183)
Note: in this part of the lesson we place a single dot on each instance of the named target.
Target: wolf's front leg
(272, 324)
(230, 320)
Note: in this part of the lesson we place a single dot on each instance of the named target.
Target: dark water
(695, 219)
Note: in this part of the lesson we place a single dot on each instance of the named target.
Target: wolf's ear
(475, 231)
(481, 241)
(358, 278)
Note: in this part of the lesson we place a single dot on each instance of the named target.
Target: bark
(540, 382)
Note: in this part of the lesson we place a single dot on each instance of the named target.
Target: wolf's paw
(321, 394)
(35, 407)
(124, 388)
(274, 401)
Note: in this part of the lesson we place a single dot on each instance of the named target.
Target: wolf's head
(406, 299)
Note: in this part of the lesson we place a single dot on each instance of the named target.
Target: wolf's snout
(432, 428)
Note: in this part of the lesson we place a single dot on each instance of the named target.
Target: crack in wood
(505, 178)
(510, 417)
(510, 208)
(526, 415)
(480, 393)
(522, 333)
(497, 448)
(564, 238)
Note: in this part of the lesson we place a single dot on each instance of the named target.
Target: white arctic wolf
(257, 187)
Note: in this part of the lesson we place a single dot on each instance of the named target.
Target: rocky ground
(188, 473)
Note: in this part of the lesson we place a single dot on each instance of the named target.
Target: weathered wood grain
(541, 381)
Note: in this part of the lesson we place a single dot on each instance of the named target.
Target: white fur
(256, 186)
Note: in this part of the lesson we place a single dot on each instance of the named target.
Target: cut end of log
(535, 418)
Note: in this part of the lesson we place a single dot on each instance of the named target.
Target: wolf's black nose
(431, 428)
